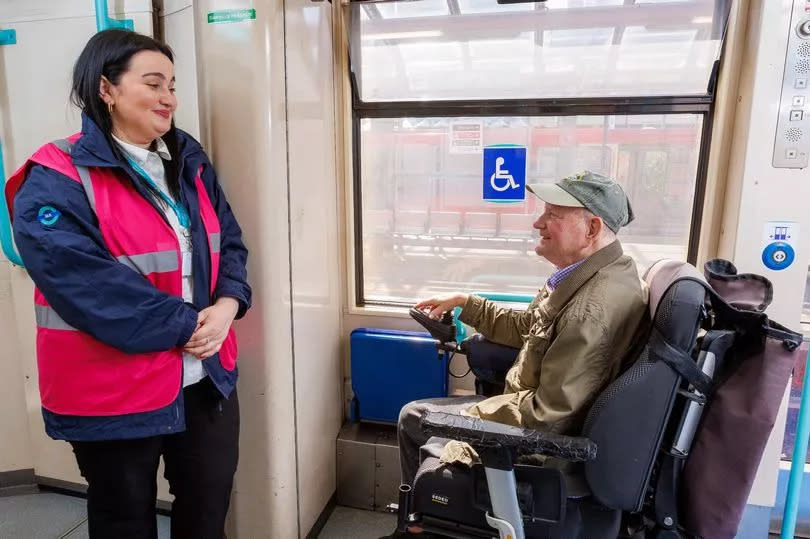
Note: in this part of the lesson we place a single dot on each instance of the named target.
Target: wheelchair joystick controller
(443, 330)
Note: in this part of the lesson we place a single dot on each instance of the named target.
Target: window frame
(698, 104)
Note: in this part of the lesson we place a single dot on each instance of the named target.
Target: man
(575, 335)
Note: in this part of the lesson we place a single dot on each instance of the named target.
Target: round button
(803, 29)
(778, 255)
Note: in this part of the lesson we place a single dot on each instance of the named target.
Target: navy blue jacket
(71, 266)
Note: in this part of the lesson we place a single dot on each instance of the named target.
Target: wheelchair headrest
(662, 274)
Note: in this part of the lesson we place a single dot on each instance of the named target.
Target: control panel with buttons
(779, 243)
(792, 141)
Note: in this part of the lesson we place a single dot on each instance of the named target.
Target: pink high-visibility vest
(79, 375)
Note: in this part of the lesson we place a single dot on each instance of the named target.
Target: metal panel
(355, 474)
(387, 476)
(368, 473)
(792, 141)
(355, 467)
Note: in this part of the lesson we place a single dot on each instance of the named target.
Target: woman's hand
(213, 324)
(441, 304)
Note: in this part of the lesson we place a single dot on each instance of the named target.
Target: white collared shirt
(152, 163)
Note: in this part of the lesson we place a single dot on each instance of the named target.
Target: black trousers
(199, 466)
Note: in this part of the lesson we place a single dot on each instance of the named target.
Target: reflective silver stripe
(84, 173)
(214, 239)
(48, 319)
(63, 145)
(159, 262)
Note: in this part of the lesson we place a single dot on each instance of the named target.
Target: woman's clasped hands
(213, 324)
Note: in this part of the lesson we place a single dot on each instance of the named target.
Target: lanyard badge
(177, 207)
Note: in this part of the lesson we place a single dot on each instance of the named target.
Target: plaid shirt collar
(561, 274)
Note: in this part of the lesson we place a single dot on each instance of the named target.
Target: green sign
(231, 15)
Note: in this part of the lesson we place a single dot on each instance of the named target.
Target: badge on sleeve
(48, 215)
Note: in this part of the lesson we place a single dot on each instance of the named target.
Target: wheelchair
(619, 478)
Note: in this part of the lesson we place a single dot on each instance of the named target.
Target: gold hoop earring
(110, 108)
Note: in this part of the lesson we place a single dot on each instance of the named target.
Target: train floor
(50, 515)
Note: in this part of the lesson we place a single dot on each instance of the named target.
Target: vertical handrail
(104, 22)
(5, 222)
(8, 37)
(794, 489)
(461, 330)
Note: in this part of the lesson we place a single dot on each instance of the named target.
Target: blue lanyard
(178, 209)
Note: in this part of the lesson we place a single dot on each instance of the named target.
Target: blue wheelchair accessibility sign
(504, 173)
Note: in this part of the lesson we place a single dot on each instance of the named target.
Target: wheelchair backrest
(629, 418)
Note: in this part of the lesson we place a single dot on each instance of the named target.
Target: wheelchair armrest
(484, 434)
(485, 351)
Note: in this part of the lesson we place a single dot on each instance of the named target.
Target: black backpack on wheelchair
(621, 477)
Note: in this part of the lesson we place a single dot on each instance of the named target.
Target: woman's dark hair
(108, 54)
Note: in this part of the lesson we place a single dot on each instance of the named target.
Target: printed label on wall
(466, 137)
(231, 15)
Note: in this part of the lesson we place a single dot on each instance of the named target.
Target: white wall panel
(314, 243)
(15, 442)
(243, 121)
(178, 32)
(36, 72)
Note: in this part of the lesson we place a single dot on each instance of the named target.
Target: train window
(426, 229)
(477, 49)
(622, 88)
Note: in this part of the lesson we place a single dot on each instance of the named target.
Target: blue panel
(755, 522)
(803, 513)
(392, 368)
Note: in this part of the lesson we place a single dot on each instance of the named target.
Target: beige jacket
(573, 341)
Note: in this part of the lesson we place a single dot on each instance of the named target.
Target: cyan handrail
(5, 223)
(104, 22)
(461, 329)
(8, 37)
(508, 298)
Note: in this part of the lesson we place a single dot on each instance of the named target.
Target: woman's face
(143, 100)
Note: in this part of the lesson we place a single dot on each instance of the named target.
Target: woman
(140, 271)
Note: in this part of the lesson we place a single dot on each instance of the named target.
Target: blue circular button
(778, 255)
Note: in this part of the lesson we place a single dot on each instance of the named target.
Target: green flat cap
(598, 194)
